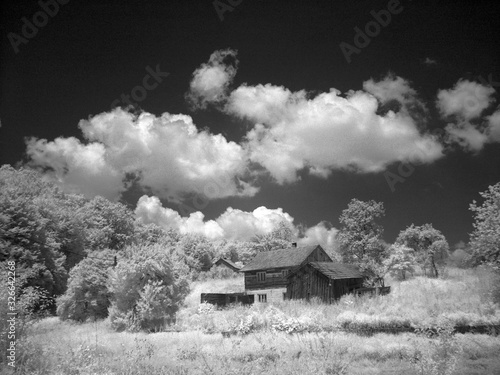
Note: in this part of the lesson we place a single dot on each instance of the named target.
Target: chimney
(294, 244)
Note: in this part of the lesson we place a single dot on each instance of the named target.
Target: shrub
(87, 295)
(147, 288)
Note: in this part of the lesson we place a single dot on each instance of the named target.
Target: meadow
(293, 337)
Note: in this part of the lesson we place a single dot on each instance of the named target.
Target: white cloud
(467, 136)
(323, 234)
(211, 80)
(466, 100)
(395, 88)
(78, 167)
(494, 127)
(168, 154)
(329, 131)
(233, 224)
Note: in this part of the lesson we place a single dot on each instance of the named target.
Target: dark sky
(91, 52)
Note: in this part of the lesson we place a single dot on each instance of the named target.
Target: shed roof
(334, 270)
(227, 261)
(284, 258)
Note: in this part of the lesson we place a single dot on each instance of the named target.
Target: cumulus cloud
(211, 80)
(466, 100)
(78, 167)
(395, 88)
(494, 127)
(467, 136)
(167, 155)
(323, 234)
(233, 224)
(329, 131)
(465, 103)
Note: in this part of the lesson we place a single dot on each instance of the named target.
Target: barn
(325, 280)
(266, 275)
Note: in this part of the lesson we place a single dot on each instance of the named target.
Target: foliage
(485, 239)
(147, 287)
(87, 295)
(360, 238)
(149, 234)
(217, 273)
(281, 237)
(39, 228)
(429, 244)
(109, 225)
(400, 261)
(196, 251)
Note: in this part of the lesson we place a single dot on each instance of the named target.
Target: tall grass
(58, 348)
(464, 297)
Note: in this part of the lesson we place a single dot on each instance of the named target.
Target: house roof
(284, 258)
(234, 265)
(334, 270)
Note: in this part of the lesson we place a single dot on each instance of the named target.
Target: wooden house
(325, 280)
(266, 275)
(227, 263)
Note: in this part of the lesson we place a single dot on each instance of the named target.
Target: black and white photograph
(250, 187)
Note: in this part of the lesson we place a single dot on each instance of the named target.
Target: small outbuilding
(227, 263)
(325, 280)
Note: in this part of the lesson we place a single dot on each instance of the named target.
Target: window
(261, 276)
(285, 273)
(262, 297)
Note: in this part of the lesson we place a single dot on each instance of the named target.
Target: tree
(148, 285)
(39, 229)
(281, 237)
(485, 239)
(196, 251)
(400, 261)
(108, 225)
(360, 235)
(429, 244)
(87, 295)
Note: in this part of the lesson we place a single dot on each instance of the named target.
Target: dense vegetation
(74, 255)
(90, 259)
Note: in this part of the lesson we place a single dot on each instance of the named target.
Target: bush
(147, 288)
(87, 295)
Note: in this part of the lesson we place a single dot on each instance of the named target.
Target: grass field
(55, 347)
(263, 346)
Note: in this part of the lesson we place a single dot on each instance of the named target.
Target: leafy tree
(360, 235)
(485, 239)
(109, 225)
(281, 237)
(149, 234)
(87, 295)
(400, 261)
(39, 229)
(429, 244)
(196, 251)
(147, 286)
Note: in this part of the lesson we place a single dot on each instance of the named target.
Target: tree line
(90, 258)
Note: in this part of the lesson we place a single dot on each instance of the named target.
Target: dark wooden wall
(224, 299)
(274, 276)
(309, 282)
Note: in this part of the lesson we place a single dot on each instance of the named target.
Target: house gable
(270, 269)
